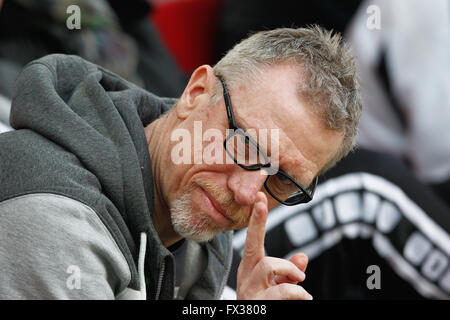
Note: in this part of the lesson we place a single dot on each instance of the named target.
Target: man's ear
(200, 86)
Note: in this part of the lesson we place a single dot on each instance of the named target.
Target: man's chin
(191, 226)
(194, 234)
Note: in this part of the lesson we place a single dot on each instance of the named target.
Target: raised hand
(261, 277)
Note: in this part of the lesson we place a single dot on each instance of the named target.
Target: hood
(97, 116)
(100, 118)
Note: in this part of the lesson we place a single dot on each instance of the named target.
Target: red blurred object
(188, 28)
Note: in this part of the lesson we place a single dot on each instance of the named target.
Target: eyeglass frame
(235, 128)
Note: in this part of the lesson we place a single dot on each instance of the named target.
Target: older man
(84, 213)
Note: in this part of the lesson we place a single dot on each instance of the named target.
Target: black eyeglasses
(247, 154)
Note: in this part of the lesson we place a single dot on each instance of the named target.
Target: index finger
(254, 243)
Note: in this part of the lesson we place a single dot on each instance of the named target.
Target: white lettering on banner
(388, 217)
(416, 248)
(434, 265)
(300, 229)
(324, 215)
(348, 207)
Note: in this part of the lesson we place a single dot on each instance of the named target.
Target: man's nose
(245, 184)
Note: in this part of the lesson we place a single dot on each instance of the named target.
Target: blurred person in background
(112, 34)
(416, 267)
(404, 67)
(115, 35)
(239, 18)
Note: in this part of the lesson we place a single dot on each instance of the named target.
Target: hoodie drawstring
(141, 261)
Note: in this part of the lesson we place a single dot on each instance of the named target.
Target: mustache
(223, 197)
(234, 211)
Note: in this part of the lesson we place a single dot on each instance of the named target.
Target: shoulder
(30, 163)
(56, 247)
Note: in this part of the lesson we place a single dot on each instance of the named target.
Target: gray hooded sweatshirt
(76, 193)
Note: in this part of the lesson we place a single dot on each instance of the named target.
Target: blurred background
(402, 49)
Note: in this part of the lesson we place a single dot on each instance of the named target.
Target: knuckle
(267, 265)
(250, 250)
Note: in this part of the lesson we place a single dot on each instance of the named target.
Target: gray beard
(191, 225)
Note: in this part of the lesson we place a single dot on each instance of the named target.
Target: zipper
(161, 276)
(227, 273)
(222, 286)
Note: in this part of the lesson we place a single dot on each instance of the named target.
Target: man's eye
(284, 180)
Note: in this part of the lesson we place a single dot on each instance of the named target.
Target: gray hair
(326, 66)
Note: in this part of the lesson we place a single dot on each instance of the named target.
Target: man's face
(205, 199)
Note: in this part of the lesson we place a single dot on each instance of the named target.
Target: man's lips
(219, 207)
